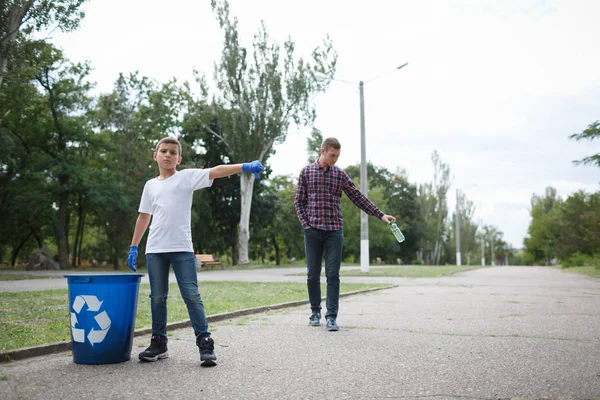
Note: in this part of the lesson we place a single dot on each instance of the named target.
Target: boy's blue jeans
(184, 266)
(319, 244)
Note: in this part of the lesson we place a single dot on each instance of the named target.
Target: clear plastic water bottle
(396, 231)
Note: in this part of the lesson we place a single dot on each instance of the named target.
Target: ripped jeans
(184, 266)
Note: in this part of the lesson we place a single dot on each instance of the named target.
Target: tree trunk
(277, 251)
(246, 187)
(116, 260)
(15, 19)
(62, 231)
(76, 260)
(80, 241)
(234, 243)
(18, 249)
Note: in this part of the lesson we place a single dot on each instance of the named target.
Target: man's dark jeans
(320, 244)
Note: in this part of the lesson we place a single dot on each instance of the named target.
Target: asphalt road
(493, 333)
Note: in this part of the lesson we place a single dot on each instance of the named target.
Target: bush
(581, 260)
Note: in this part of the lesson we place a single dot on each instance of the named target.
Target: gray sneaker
(315, 319)
(332, 325)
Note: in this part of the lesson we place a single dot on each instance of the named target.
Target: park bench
(206, 260)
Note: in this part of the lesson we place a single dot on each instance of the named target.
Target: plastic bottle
(396, 231)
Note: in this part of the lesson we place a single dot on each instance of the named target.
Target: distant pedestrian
(318, 205)
(167, 201)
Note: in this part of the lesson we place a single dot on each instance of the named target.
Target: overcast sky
(496, 87)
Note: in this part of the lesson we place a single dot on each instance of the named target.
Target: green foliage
(578, 259)
(313, 145)
(433, 205)
(394, 195)
(543, 235)
(263, 95)
(258, 99)
(216, 211)
(578, 225)
(378, 232)
(591, 133)
(284, 232)
(562, 229)
(18, 19)
(43, 14)
(470, 244)
(130, 119)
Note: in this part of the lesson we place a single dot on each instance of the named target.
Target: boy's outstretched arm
(221, 171)
(143, 220)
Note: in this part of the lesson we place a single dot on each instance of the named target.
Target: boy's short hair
(169, 140)
(331, 142)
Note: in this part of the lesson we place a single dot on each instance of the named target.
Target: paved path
(494, 333)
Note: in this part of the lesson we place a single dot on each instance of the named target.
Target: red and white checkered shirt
(318, 197)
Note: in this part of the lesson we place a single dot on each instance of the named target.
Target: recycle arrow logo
(94, 335)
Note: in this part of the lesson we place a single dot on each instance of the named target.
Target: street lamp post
(364, 185)
(457, 233)
(483, 251)
(364, 180)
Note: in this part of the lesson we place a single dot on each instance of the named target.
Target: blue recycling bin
(102, 316)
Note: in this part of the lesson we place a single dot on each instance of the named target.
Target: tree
(288, 229)
(261, 99)
(132, 118)
(313, 145)
(379, 234)
(543, 235)
(591, 133)
(216, 212)
(67, 95)
(23, 198)
(34, 15)
(468, 229)
(398, 198)
(434, 209)
(578, 225)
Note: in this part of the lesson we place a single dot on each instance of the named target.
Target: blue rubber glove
(132, 259)
(254, 167)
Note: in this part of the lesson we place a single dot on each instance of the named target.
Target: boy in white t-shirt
(167, 200)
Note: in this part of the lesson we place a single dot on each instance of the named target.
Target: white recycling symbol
(94, 336)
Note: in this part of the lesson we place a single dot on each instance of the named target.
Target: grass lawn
(42, 317)
(19, 277)
(588, 271)
(406, 271)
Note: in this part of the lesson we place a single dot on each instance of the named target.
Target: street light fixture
(364, 180)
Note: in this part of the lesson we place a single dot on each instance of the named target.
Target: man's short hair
(331, 142)
(169, 140)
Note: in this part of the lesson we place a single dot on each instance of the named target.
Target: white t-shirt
(170, 203)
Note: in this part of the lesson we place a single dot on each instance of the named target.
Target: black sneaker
(157, 349)
(332, 325)
(314, 319)
(207, 352)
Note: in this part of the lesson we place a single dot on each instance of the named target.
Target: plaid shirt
(318, 197)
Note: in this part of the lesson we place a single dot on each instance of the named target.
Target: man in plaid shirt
(318, 205)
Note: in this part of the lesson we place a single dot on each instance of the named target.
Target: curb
(59, 347)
